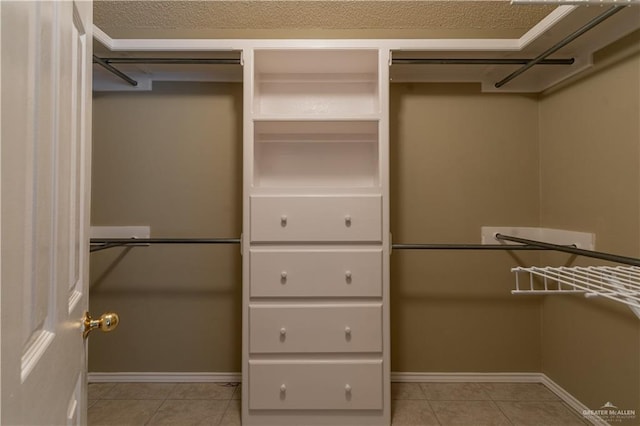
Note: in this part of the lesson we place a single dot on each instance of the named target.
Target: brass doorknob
(107, 322)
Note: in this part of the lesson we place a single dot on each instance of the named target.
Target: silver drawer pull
(283, 221)
(283, 331)
(283, 388)
(347, 276)
(347, 330)
(347, 221)
(347, 388)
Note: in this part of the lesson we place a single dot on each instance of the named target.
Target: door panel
(78, 203)
(45, 135)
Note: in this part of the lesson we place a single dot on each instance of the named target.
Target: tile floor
(414, 404)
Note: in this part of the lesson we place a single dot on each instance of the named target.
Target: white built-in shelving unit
(316, 236)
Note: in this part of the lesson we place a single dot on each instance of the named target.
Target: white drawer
(318, 385)
(315, 328)
(316, 218)
(304, 273)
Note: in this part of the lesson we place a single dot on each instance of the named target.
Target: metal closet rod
(114, 70)
(589, 25)
(400, 246)
(179, 61)
(477, 61)
(98, 244)
(540, 59)
(106, 63)
(106, 243)
(573, 250)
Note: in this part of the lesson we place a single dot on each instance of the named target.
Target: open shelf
(316, 83)
(312, 154)
(617, 283)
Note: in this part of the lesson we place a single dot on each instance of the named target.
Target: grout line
(226, 408)
(434, 412)
(503, 413)
(161, 404)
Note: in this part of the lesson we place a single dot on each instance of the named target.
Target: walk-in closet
(365, 213)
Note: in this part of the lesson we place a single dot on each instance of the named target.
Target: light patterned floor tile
(189, 412)
(406, 391)
(186, 404)
(122, 412)
(238, 392)
(454, 392)
(519, 392)
(99, 390)
(535, 413)
(140, 391)
(412, 413)
(231, 416)
(202, 391)
(465, 413)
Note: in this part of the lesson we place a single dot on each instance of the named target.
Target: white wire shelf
(617, 283)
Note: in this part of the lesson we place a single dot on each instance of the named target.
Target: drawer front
(315, 328)
(316, 218)
(308, 273)
(353, 385)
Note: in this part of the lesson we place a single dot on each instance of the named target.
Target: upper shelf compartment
(316, 154)
(307, 84)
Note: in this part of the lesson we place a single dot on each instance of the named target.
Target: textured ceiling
(300, 19)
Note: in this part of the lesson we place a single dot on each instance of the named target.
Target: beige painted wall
(172, 159)
(460, 160)
(590, 181)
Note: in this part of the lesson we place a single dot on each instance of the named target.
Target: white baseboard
(153, 377)
(466, 377)
(565, 396)
(164, 377)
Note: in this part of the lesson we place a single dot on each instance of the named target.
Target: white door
(45, 152)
